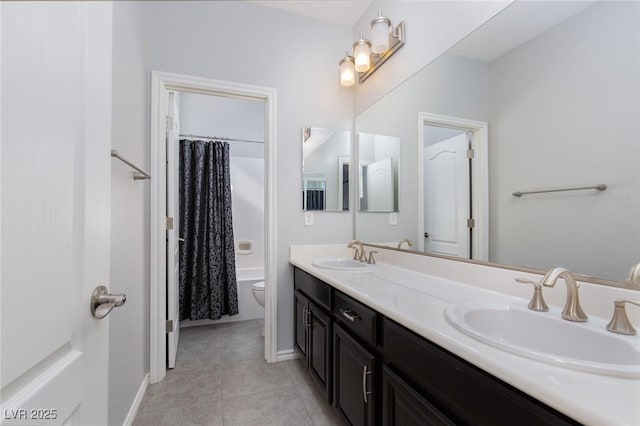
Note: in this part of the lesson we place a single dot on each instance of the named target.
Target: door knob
(426, 235)
(102, 302)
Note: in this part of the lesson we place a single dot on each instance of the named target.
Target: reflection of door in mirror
(447, 196)
(379, 184)
(378, 172)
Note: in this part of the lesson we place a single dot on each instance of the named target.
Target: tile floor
(221, 378)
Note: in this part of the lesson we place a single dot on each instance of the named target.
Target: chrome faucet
(359, 255)
(572, 310)
(406, 240)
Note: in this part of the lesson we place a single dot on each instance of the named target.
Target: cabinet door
(354, 380)
(319, 349)
(300, 326)
(403, 406)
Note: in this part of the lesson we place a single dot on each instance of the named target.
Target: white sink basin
(544, 336)
(343, 264)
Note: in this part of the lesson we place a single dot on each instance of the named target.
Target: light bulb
(361, 53)
(380, 34)
(347, 71)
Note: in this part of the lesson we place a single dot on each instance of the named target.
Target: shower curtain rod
(218, 138)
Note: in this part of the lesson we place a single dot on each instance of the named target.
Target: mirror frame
(627, 284)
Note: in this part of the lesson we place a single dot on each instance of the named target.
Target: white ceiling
(517, 24)
(340, 12)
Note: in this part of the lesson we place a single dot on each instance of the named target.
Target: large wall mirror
(325, 169)
(545, 96)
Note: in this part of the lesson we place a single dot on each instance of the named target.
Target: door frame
(479, 178)
(161, 82)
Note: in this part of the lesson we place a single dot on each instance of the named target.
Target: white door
(380, 188)
(55, 210)
(173, 240)
(447, 197)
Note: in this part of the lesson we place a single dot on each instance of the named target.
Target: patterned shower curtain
(208, 287)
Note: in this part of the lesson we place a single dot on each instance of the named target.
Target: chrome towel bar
(138, 174)
(599, 187)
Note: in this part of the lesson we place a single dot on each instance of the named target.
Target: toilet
(258, 292)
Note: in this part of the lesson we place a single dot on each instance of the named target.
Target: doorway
(163, 230)
(453, 194)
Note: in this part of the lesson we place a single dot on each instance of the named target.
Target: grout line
(295, 386)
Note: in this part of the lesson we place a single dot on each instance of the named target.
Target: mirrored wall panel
(554, 177)
(325, 169)
(378, 159)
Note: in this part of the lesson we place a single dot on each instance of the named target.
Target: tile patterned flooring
(221, 378)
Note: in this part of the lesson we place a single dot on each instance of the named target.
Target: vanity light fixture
(369, 56)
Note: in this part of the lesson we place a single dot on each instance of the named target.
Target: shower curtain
(208, 287)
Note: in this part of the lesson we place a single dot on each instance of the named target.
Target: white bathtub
(248, 307)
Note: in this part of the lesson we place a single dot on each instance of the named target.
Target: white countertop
(418, 300)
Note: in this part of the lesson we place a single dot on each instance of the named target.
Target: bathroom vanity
(378, 344)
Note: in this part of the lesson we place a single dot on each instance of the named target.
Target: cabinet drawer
(462, 391)
(313, 288)
(356, 317)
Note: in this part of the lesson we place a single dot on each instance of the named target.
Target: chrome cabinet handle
(102, 302)
(307, 319)
(365, 373)
(349, 315)
(181, 239)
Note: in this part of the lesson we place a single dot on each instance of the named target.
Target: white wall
(204, 115)
(549, 147)
(129, 325)
(247, 180)
(432, 27)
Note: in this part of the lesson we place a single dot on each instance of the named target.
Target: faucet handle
(537, 302)
(363, 254)
(355, 253)
(620, 322)
(371, 260)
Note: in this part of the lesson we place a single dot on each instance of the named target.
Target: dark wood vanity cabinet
(464, 393)
(313, 331)
(377, 372)
(354, 380)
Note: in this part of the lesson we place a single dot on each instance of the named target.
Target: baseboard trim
(286, 355)
(128, 421)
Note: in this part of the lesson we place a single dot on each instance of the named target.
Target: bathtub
(248, 307)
